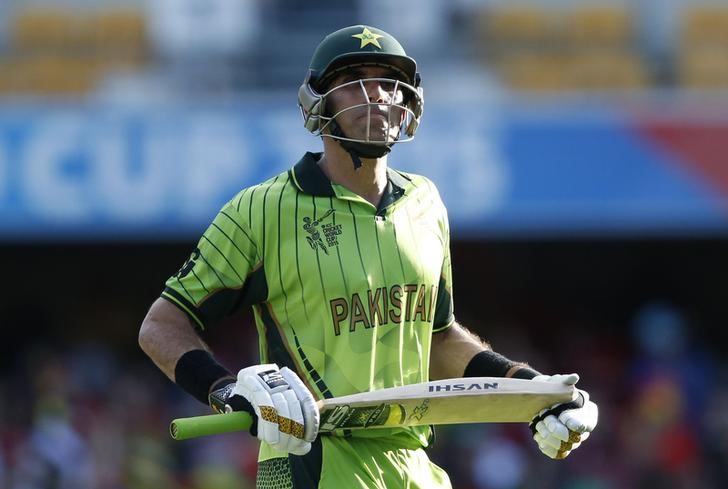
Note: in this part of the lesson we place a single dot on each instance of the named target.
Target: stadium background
(577, 144)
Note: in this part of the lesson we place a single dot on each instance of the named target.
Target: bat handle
(213, 424)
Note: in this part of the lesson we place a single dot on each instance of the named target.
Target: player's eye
(387, 85)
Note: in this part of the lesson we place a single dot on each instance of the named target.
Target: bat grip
(213, 424)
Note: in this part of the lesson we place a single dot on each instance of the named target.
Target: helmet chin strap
(358, 150)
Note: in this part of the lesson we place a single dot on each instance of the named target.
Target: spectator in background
(426, 26)
(671, 381)
(204, 42)
(499, 461)
(183, 28)
(54, 454)
(3, 479)
(661, 334)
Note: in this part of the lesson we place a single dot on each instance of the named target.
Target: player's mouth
(376, 113)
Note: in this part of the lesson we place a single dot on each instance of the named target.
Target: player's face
(365, 100)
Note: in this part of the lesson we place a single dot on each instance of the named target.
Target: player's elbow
(148, 331)
(145, 335)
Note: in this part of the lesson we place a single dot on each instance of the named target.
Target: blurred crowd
(82, 416)
(122, 49)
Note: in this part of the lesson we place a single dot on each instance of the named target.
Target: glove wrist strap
(218, 398)
(520, 371)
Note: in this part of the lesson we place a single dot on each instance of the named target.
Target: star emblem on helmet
(368, 37)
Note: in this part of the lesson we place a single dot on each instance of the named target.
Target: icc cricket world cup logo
(314, 235)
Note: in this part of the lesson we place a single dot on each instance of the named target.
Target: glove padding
(288, 418)
(562, 428)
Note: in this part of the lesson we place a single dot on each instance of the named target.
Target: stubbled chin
(378, 134)
(379, 129)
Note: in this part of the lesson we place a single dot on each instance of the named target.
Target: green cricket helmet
(351, 47)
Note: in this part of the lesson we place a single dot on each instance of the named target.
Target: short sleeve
(444, 307)
(222, 274)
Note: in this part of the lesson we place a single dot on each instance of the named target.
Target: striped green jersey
(344, 293)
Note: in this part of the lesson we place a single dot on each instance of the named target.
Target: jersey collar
(308, 177)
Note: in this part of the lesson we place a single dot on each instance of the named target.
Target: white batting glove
(288, 418)
(562, 428)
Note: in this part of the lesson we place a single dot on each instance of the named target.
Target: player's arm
(222, 275)
(284, 411)
(166, 334)
(456, 352)
(452, 349)
(168, 337)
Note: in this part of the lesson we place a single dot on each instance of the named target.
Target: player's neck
(368, 181)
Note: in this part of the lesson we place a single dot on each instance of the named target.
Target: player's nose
(376, 92)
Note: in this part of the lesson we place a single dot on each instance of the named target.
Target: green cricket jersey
(346, 294)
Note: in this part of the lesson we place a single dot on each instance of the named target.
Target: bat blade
(451, 401)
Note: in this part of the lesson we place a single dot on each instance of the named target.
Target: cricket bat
(449, 401)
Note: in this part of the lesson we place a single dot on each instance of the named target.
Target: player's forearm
(452, 350)
(456, 352)
(166, 334)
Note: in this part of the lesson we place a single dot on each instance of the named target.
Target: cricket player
(346, 265)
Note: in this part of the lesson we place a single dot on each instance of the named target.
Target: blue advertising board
(98, 172)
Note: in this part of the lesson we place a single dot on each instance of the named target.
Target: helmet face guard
(403, 110)
(353, 47)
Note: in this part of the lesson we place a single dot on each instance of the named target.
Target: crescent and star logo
(368, 37)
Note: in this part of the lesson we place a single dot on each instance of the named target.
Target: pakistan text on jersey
(409, 302)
